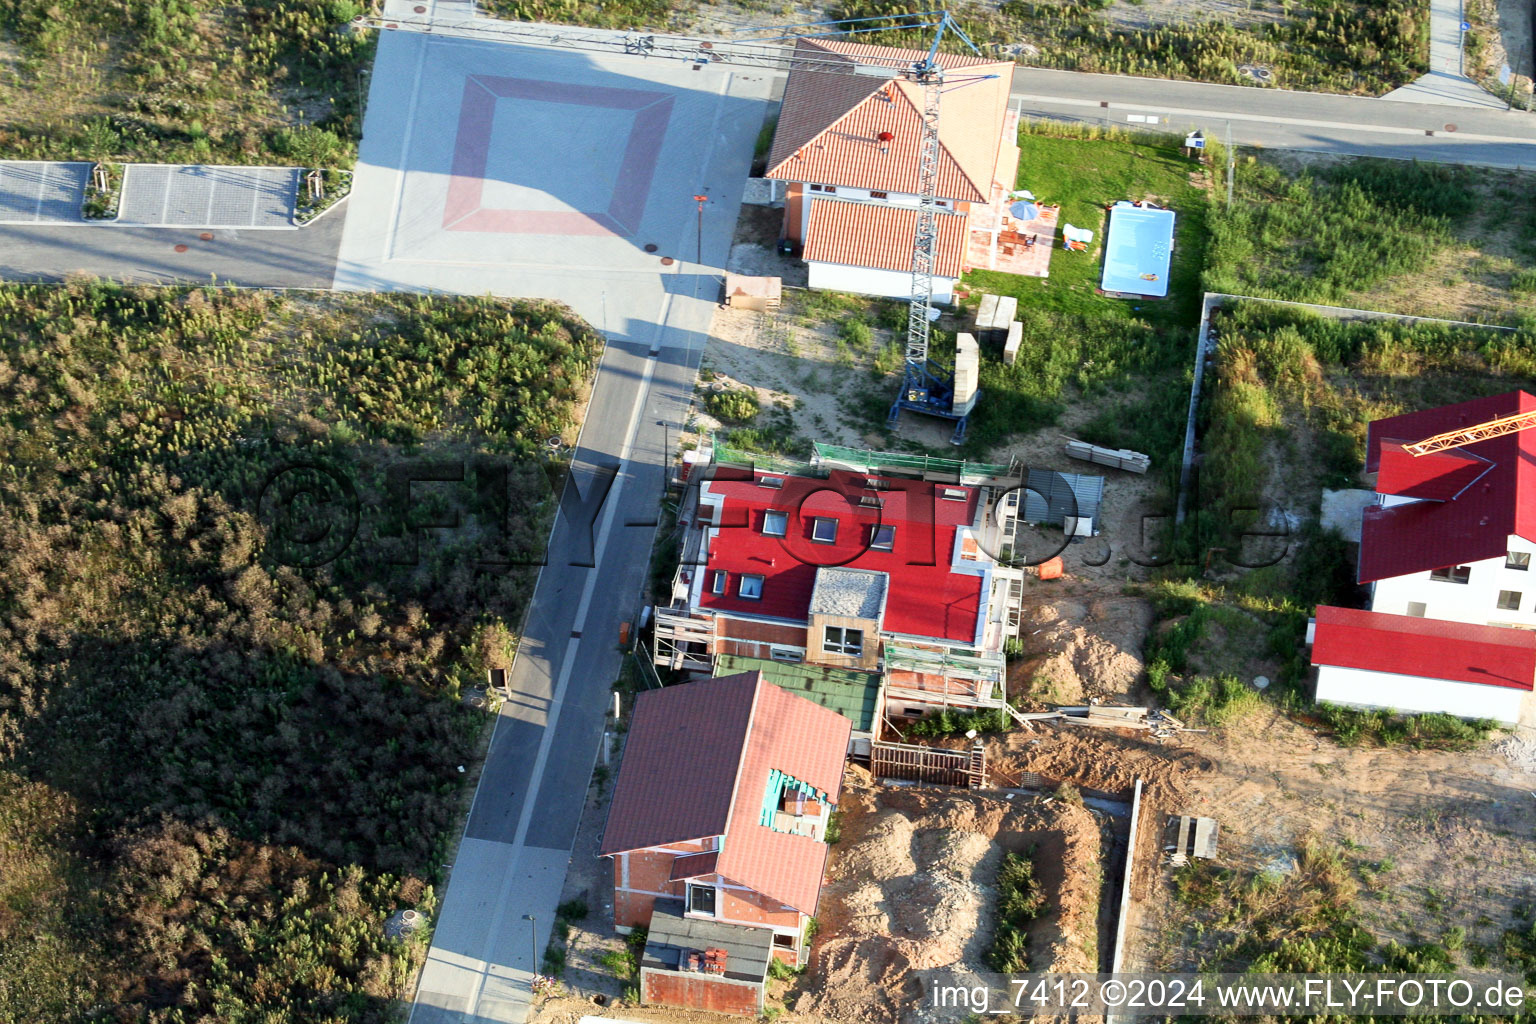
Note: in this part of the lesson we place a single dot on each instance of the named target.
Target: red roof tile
(925, 598)
(680, 761)
(1431, 648)
(1476, 523)
(829, 124)
(1438, 476)
(873, 235)
(802, 739)
(696, 764)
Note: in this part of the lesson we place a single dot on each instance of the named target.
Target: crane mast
(925, 387)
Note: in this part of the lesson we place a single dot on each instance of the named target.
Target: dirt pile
(912, 887)
(1099, 759)
(1078, 650)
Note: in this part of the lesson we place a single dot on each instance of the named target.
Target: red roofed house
(717, 833)
(848, 145)
(884, 575)
(1447, 551)
(1453, 532)
(1375, 660)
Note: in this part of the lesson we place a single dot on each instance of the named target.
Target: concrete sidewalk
(1446, 82)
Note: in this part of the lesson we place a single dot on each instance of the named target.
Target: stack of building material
(1120, 458)
(1011, 346)
(993, 318)
(1187, 836)
(759, 293)
(967, 374)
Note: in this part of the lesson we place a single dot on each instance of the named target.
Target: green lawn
(1085, 176)
(1129, 358)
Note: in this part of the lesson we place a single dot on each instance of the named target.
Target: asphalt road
(1276, 119)
(302, 258)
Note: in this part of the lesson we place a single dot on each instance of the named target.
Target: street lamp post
(701, 200)
(533, 942)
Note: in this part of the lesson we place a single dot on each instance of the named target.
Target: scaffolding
(684, 643)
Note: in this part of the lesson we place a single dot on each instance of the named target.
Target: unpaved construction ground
(911, 886)
(1433, 841)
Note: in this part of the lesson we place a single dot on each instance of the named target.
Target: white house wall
(1362, 688)
(896, 284)
(1474, 601)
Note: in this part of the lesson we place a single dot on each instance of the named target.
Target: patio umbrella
(1024, 210)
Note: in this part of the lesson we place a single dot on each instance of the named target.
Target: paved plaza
(521, 171)
(41, 192)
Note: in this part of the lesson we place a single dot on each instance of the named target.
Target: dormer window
(719, 581)
(953, 493)
(871, 501)
(824, 531)
(775, 523)
(883, 538)
(775, 482)
(750, 587)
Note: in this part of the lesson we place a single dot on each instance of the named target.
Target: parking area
(201, 196)
(41, 192)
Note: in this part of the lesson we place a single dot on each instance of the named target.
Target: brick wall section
(794, 214)
(743, 906)
(759, 632)
(700, 992)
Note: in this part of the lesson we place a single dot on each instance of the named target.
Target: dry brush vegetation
(218, 773)
(201, 81)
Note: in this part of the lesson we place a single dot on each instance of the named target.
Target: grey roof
(1051, 496)
(747, 950)
(855, 593)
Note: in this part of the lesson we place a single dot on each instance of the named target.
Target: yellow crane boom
(1467, 435)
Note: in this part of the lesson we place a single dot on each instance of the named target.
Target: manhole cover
(667, 261)
(1450, 127)
(181, 248)
(650, 246)
(206, 236)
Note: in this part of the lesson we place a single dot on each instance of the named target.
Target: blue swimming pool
(1137, 250)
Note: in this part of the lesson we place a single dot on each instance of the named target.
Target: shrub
(572, 910)
(1020, 899)
(732, 406)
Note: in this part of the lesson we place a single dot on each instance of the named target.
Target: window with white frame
(882, 538)
(719, 582)
(750, 587)
(783, 941)
(842, 640)
(775, 523)
(823, 531)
